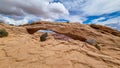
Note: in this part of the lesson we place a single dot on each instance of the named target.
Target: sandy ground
(22, 50)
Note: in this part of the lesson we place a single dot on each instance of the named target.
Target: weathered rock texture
(104, 29)
(78, 31)
(23, 50)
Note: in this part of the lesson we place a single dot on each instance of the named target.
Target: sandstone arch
(70, 30)
(73, 30)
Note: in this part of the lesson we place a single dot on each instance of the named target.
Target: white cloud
(73, 4)
(75, 18)
(109, 21)
(113, 22)
(99, 7)
(49, 11)
(12, 21)
(34, 7)
(93, 7)
(96, 21)
(24, 20)
(39, 8)
(85, 8)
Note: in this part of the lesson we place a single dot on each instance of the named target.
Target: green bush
(97, 46)
(43, 37)
(67, 22)
(3, 33)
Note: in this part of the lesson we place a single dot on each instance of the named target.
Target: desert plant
(67, 22)
(3, 33)
(43, 37)
(11, 24)
(97, 46)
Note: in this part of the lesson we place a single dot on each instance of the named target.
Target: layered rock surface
(23, 48)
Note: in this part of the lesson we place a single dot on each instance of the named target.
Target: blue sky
(104, 12)
(106, 17)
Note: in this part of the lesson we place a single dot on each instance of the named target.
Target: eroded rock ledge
(76, 31)
(23, 50)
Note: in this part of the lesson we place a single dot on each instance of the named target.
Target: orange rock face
(65, 49)
(77, 31)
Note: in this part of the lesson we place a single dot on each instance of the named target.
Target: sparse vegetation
(3, 33)
(67, 22)
(43, 37)
(11, 24)
(97, 46)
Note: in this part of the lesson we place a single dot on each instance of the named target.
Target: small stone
(91, 41)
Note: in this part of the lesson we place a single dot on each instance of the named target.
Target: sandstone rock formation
(78, 31)
(24, 50)
(104, 29)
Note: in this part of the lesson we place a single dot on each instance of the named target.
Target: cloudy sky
(17, 12)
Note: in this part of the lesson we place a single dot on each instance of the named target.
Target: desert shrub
(3, 33)
(43, 37)
(97, 46)
(11, 24)
(67, 22)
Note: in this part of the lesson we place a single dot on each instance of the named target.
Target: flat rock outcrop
(65, 49)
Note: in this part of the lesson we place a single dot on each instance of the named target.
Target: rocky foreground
(65, 48)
